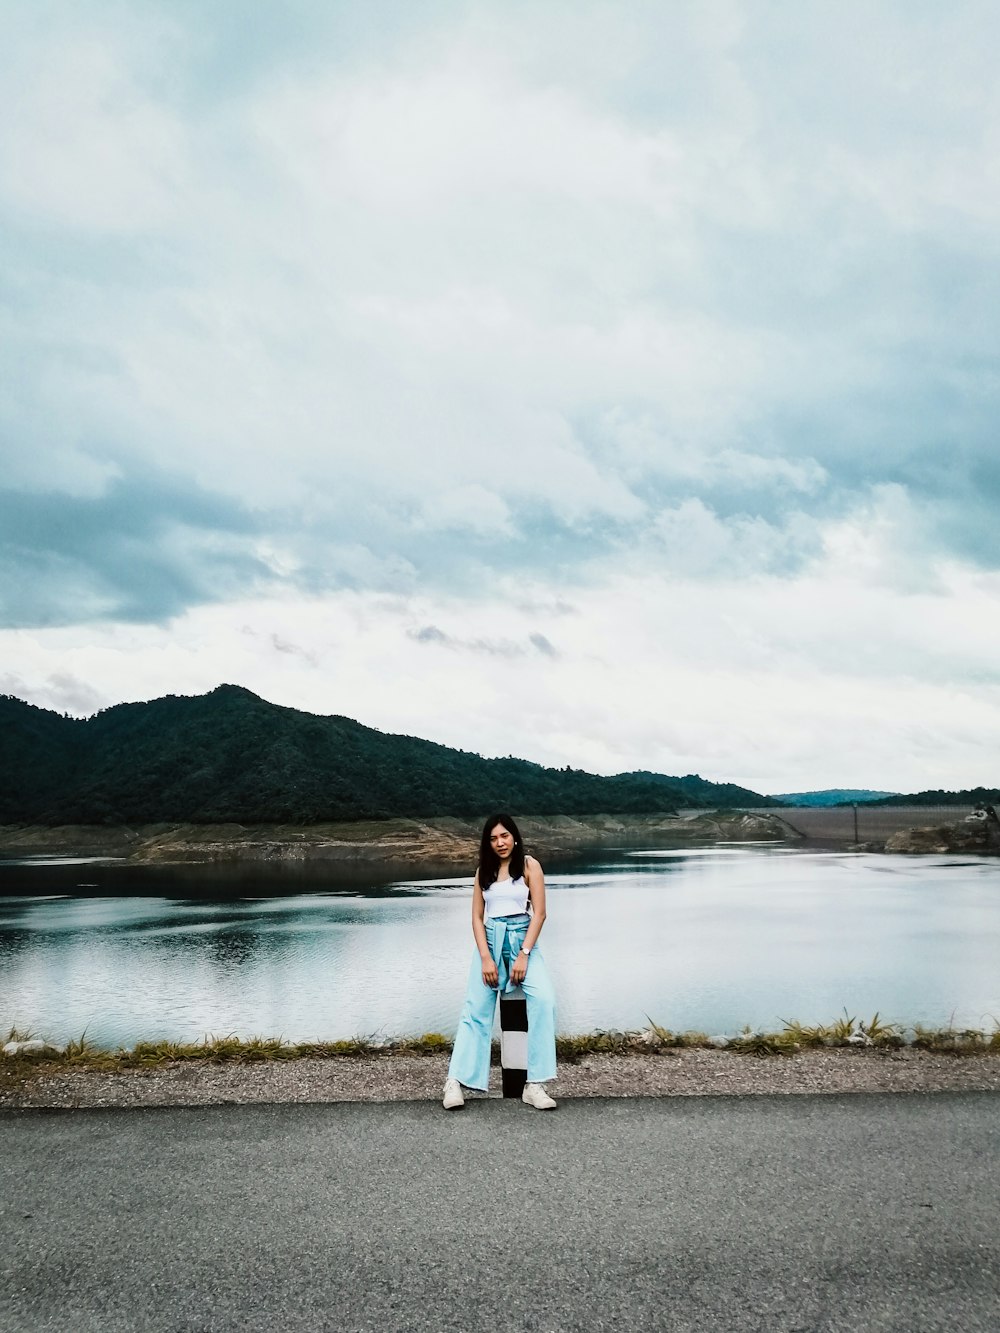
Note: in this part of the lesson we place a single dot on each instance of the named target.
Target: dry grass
(957, 1041)
(82, 1053)
(848, 1031)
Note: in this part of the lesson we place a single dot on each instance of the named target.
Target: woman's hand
(519, 969)
(490, 975)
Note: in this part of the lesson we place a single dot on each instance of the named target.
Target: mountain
(701, 792)
(970, 796)
(230, 756)
(831, 796)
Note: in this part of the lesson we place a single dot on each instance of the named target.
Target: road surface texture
(775, 1214)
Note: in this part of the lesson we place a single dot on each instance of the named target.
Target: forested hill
(970, 796)
(833, 796)
(229, 756)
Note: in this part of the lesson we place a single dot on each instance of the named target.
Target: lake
(700, 938)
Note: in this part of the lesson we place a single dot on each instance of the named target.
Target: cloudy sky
(614, 385)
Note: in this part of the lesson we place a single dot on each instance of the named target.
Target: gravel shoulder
(388, 1078)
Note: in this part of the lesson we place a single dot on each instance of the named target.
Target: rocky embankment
(443, 842)
(978, 832)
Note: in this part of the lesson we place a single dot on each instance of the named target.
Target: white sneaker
(453, 1099)
(534, 1094)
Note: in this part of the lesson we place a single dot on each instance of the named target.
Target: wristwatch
(525, 951)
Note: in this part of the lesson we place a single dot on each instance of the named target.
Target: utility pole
(856, 839)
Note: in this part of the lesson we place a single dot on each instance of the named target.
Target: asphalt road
(772, 1214)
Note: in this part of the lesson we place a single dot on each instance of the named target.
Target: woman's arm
(490, 975)
(536, 896)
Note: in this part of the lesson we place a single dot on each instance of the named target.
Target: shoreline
(686, 1072)
(846, 1056)
(393, 848)
(439, 843)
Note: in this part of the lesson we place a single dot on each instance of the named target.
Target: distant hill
(832, 796)
(704, 793)
(971, 796)
(230, 756)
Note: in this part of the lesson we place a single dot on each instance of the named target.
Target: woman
(506, 882)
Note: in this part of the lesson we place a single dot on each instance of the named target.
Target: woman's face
(502, 841)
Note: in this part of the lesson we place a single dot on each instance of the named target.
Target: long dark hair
(489, 862)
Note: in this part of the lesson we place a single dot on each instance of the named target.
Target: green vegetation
(845, 1033)
(762, 1043)
(971, 796)
(653, 1039)
(230, 757)
(82, 1053)
(957, 1041)
(831, 796)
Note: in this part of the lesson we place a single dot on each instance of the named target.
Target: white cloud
(689, 308)
(689, 539)
(82, 143)
(775, 683)
(469, 508)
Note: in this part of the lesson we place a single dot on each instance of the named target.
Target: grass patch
(82, 1053)
(956, 1041)
(18, 1034)
(658, 1037)
(762, 1043)
(572, 1049)
(847, 1032)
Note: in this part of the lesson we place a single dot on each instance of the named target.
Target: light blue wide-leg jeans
(470, 1057)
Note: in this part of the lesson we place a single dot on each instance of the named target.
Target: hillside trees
(229, 756)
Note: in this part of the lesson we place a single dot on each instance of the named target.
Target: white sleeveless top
(506, 897)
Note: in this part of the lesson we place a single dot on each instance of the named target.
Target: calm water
(707, 938)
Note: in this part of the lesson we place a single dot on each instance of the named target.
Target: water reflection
(707, 938)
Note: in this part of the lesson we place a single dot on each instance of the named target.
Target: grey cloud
(292, 649)
(493, 647)
(543, 645)
(61, 691)
(489, 647)
(75, 695)
(835, 267)
(430, 634)
(150, 546)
